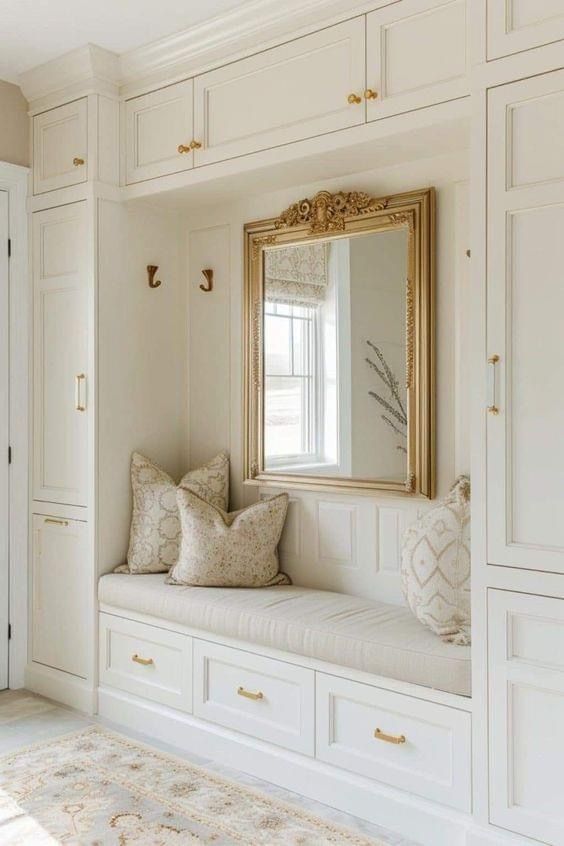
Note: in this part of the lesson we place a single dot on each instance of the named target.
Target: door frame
(15, 180)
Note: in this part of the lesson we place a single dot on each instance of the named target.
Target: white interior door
(4, 434)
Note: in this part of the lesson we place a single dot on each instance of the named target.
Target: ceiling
(34, 31)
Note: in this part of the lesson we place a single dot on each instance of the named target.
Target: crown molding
(89, 68)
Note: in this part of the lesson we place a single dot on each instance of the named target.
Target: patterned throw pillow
(435, 566)
(229, 550)
(154, 540)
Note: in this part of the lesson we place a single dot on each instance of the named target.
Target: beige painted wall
(14, 125)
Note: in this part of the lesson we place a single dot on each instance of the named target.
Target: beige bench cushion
(345, 630)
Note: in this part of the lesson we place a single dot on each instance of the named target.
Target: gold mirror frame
(341, 215)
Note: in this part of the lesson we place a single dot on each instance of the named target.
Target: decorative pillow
(154, 539)
(229, 550)
(435, 566)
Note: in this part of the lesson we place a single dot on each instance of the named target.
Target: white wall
(365, 558)
(14, 125)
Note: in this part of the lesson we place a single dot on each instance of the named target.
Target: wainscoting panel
(345, 543)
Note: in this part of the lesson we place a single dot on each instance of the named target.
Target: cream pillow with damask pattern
(229, 550)
(154, 540)
(435, 566)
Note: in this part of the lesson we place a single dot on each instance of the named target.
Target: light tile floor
(26, 718)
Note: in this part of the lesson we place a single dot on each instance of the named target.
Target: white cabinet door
(60, 340)
(61, 593)
(416, 55)
(515, 25)
(525, 307)
(159, 132)
(294, 91)
(526, 670)
(60, 147)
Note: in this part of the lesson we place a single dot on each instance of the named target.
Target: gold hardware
(79, 379)
(146, 662)
(56, 522)
(77, 162)
(389, 738)
(184, 148)
(354, 99)
(249, 694)
(195, 145)
(369, 94)
(492, 408)
(208, 285)
(151, 270)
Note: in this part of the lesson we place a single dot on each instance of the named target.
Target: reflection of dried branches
(394, 406)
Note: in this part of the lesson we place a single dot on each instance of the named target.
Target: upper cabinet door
(525, 296)
(515, 25)
(60, 147)
(301, 89)
(416, 56)
(60, 341)
(159, 132)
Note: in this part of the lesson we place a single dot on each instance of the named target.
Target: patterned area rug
(95, 787)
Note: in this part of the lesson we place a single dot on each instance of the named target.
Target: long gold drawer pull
(250, 694)
(80, 379)
(389, 738)
(492, 407)
(56, 522)
(146, 662)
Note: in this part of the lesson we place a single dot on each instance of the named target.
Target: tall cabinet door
(525, 245)
(60, 341)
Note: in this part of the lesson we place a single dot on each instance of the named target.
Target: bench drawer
(418, 746)
(263, 697)
(147, 661)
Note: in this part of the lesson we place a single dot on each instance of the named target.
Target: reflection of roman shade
(296, 275)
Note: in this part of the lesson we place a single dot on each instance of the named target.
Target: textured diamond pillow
(229, 550)
(435, 566)
(154, 540)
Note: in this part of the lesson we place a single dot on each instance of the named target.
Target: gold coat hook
(151, 270)
(208, 286)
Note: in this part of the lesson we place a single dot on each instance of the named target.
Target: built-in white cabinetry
(60, 140)
(159, 132)
(515, 25)
(303, 88)
(62, 588)
(524, 323)
(526, 661)
(61, 384)
(416, 56)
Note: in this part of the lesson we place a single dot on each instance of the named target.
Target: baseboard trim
(61, 687)
(409, 816)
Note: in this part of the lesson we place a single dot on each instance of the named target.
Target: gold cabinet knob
(369, 94)
(195, 145)
(77, 162)
(354, 99)
(183, 148)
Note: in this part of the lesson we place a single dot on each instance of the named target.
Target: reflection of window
(291, 406)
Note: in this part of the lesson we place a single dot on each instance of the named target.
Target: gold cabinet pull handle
(354, 99)
(492, 407)
(195, 145)
(250, 694)
(370, 94)
(56, 522)
(78, 404)
(184, 148)
(397, 739)
(77, 161)
(146, 662)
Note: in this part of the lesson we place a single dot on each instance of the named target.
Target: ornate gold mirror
(339, 349)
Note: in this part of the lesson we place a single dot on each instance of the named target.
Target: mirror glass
(334, 356)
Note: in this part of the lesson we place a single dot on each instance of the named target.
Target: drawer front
(146, 661)
(405, 742)
(526, 684)
(294, 91)
(159, 132)
(60, 138)
(268, 699)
